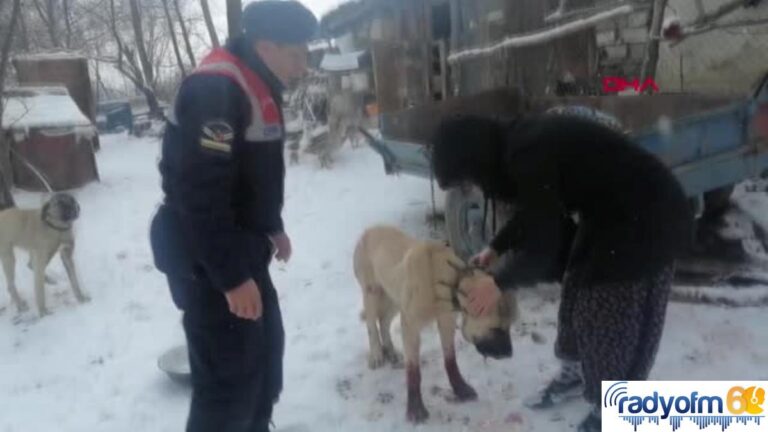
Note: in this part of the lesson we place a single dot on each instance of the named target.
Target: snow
(319, 45)
(541, 37)
(41, 107)
(93, 367)
(343, 62)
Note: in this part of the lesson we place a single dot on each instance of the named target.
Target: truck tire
(464, 208)
(717, 202)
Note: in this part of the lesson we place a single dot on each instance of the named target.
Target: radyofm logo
(684, 405)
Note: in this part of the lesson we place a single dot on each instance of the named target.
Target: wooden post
(444, 69)
(426, 34)
(234, 17)
(457, 26)
(652, 52)
(6, 176)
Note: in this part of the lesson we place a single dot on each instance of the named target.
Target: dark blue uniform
(222, 174)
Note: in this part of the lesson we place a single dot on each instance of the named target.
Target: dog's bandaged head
(489, 332)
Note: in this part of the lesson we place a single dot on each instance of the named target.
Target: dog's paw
(465, 393)
(43, 312)
(21, 306)
(393, 357)
(375, 359)
(416, 412)
(83, 298)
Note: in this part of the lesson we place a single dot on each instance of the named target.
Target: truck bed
(706, 140)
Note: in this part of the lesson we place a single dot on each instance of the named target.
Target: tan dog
(425, 282)
(42, 232)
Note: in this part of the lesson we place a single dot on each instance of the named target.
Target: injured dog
(424, 281)
(42, 232)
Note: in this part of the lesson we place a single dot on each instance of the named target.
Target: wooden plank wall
(534, 69)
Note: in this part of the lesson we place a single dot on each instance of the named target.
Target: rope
(432, 192)
(32, 168)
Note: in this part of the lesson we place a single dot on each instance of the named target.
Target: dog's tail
(362, 266)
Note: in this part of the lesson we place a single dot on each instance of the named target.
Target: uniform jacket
(222, 171)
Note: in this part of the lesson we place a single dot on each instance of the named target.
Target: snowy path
(93, 367)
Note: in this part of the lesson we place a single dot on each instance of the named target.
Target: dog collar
(455, 290)
(51, 224)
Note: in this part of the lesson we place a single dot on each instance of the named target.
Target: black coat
(633, 216)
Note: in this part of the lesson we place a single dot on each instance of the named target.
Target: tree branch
(209, 23)
(185, 34)
(5, 53)
(67, 23)
(174, 42)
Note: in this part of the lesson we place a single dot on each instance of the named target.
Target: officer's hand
(245, 300)
(283, 245)
(485, 258)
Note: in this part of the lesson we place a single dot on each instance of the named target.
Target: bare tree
(6, 199)
(209, 23)
(47, 16)
(175, 42)
(23, 35)
(127, 64)
(67, 23)
(138, 34)
(184, 33)
(7, 42)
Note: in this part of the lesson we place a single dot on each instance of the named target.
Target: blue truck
(711, 143)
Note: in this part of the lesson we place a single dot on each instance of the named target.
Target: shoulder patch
(218, 136)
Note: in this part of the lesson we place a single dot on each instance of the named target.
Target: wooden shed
(48, 131)
(421, 49)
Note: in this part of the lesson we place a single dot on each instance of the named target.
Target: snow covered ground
(93, 367)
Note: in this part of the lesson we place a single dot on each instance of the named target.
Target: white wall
(722, 61)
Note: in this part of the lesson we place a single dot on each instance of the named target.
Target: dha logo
(703, 403)
(614, 84)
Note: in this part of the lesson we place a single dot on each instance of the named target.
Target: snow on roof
(319, 45)
(542, 36)
(59, 55)
(341, 62)
(26, 107)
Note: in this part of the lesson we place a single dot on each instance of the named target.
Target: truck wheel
(717, 202)
(464, 208)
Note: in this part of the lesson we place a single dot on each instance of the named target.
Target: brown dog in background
(42, 232)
